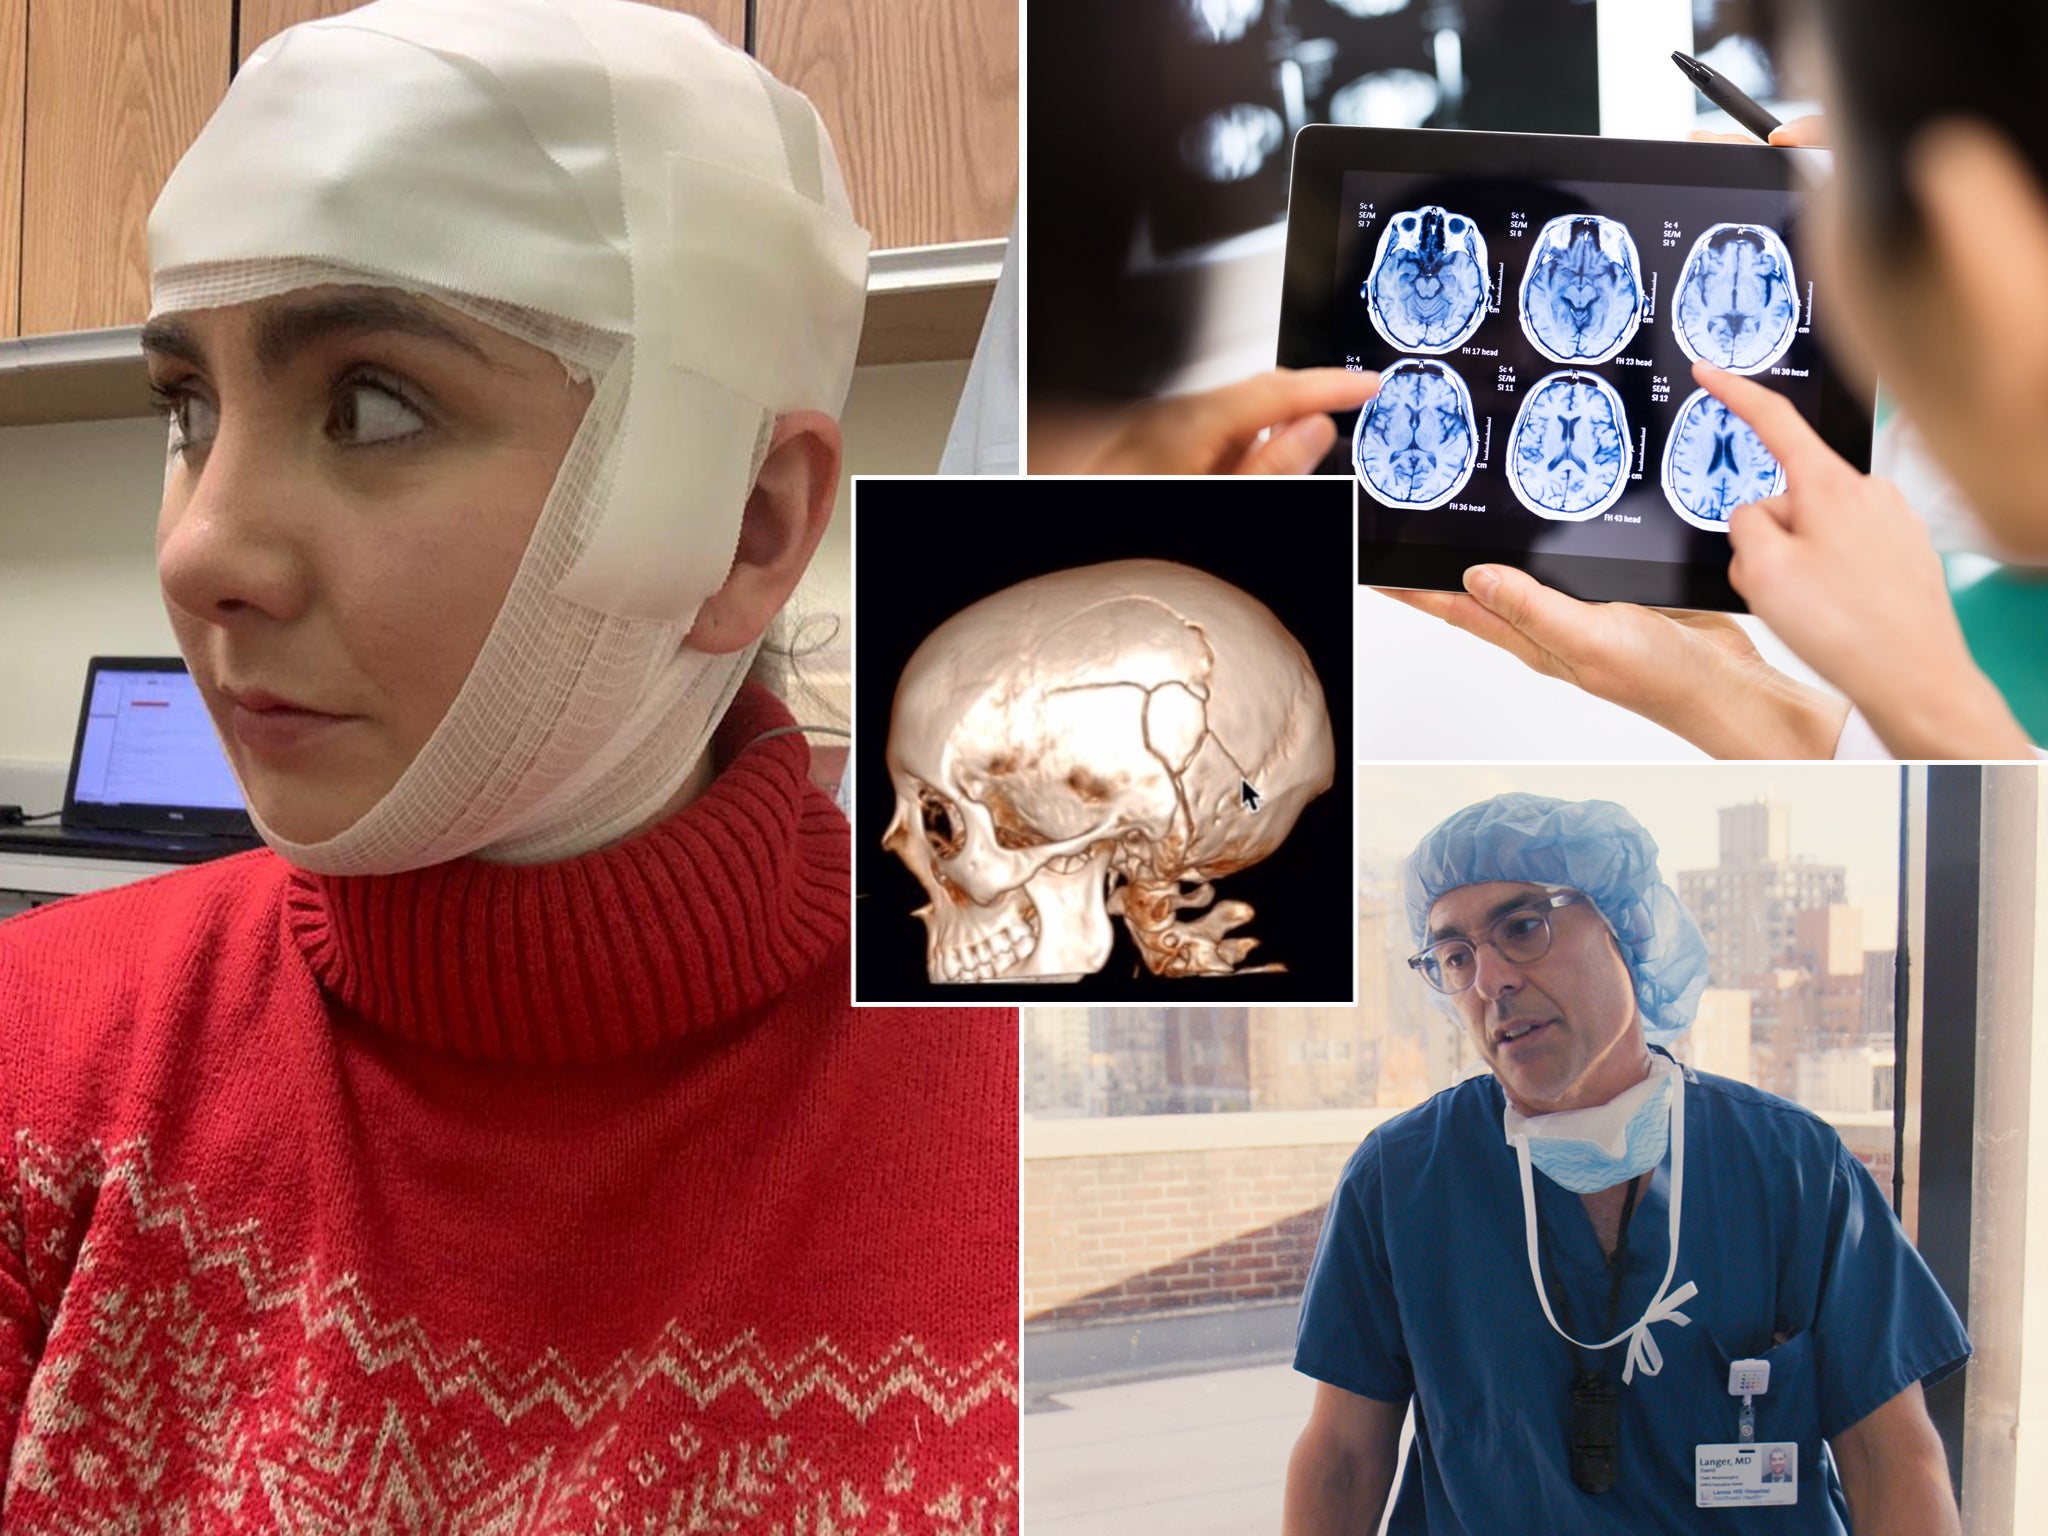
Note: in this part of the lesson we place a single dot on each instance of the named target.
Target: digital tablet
(1534, 304)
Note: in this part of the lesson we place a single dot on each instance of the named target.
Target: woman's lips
(279, 729)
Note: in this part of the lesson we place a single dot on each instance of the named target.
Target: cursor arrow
(1247, 796)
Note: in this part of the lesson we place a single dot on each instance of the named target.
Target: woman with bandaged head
(499, 1147)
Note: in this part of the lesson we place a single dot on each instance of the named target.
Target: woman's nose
(232, 534)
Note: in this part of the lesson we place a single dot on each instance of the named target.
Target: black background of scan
(1662, 534)
(925, 549)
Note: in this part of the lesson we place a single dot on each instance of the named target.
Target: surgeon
(1567, 1264)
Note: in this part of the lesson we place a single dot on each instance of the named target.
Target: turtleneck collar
(687, 926)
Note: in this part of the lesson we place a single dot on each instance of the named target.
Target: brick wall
(1152, 1232)
(1137, 1230)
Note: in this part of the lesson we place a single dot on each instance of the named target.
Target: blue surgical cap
(1594, 846)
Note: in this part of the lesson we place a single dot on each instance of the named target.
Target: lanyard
(1642, 1347)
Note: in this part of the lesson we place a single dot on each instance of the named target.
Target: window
(1177, 1162)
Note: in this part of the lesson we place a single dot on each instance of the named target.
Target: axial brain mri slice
(1233, 143)
(1220, 21)
(1738, 304)
(1569, 455)
(1582, 294)
(1714, 463)
(1386, 98)
(1415, 445)
(1100, 742)
(1428, 287)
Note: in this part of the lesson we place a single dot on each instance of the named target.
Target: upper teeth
(1516, 1032)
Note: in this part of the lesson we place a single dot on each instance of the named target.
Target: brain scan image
(1386, 98)
(1713, 463)
(1234, 143)
(1415, 445)
(1569, 457)
(1427, 289)
(1220, 21)
(1738, 305)
(1582, 296)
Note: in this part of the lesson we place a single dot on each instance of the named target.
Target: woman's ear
(785, 517)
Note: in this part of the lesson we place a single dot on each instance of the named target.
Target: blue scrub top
(1421, 1288)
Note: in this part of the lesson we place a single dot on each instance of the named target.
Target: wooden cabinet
(99, 99)
(13, 130)
(921, 99)
(116, 92)
(266, 18)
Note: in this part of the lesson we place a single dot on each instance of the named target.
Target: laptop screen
(147, 756)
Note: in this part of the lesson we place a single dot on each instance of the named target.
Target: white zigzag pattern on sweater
(337, 1303)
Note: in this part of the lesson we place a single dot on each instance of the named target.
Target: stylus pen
(1716, 88)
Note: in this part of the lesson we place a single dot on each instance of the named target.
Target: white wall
(77, 570)
(77, 567)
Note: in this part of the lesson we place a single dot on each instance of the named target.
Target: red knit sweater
(571, 1198)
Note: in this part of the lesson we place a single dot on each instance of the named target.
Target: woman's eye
(370, 413)
(193, 421)
(366, 415)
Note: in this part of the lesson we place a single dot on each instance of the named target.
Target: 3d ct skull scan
(1106, 741)
(1582, 294)
(1428, 288)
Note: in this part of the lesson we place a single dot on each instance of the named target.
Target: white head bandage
(611, 182)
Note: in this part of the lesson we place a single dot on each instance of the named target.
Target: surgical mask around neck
(1588, 1150)
(1663, 1104)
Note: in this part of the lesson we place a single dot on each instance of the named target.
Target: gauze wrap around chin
(611, 182)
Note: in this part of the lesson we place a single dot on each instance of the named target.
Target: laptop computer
(148, 779)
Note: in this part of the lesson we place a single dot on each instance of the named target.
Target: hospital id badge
(1733, 1476)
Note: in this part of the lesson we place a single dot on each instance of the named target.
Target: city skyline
(1842, 813)
(1801, 968)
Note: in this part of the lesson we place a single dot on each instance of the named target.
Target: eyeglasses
(1523, 935)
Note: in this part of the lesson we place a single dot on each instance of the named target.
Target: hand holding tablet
(1808, 562)
(1696, 674)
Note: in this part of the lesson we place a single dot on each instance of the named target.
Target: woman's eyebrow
(283, 331)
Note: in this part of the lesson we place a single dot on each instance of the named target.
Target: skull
(1101, 741)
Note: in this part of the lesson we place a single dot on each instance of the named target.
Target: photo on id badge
(1729, 1475)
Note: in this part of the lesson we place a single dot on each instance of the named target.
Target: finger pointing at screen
(1841, 568)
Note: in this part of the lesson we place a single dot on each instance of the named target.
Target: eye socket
(1457, 226)
(1408, 223)
(941, 819)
